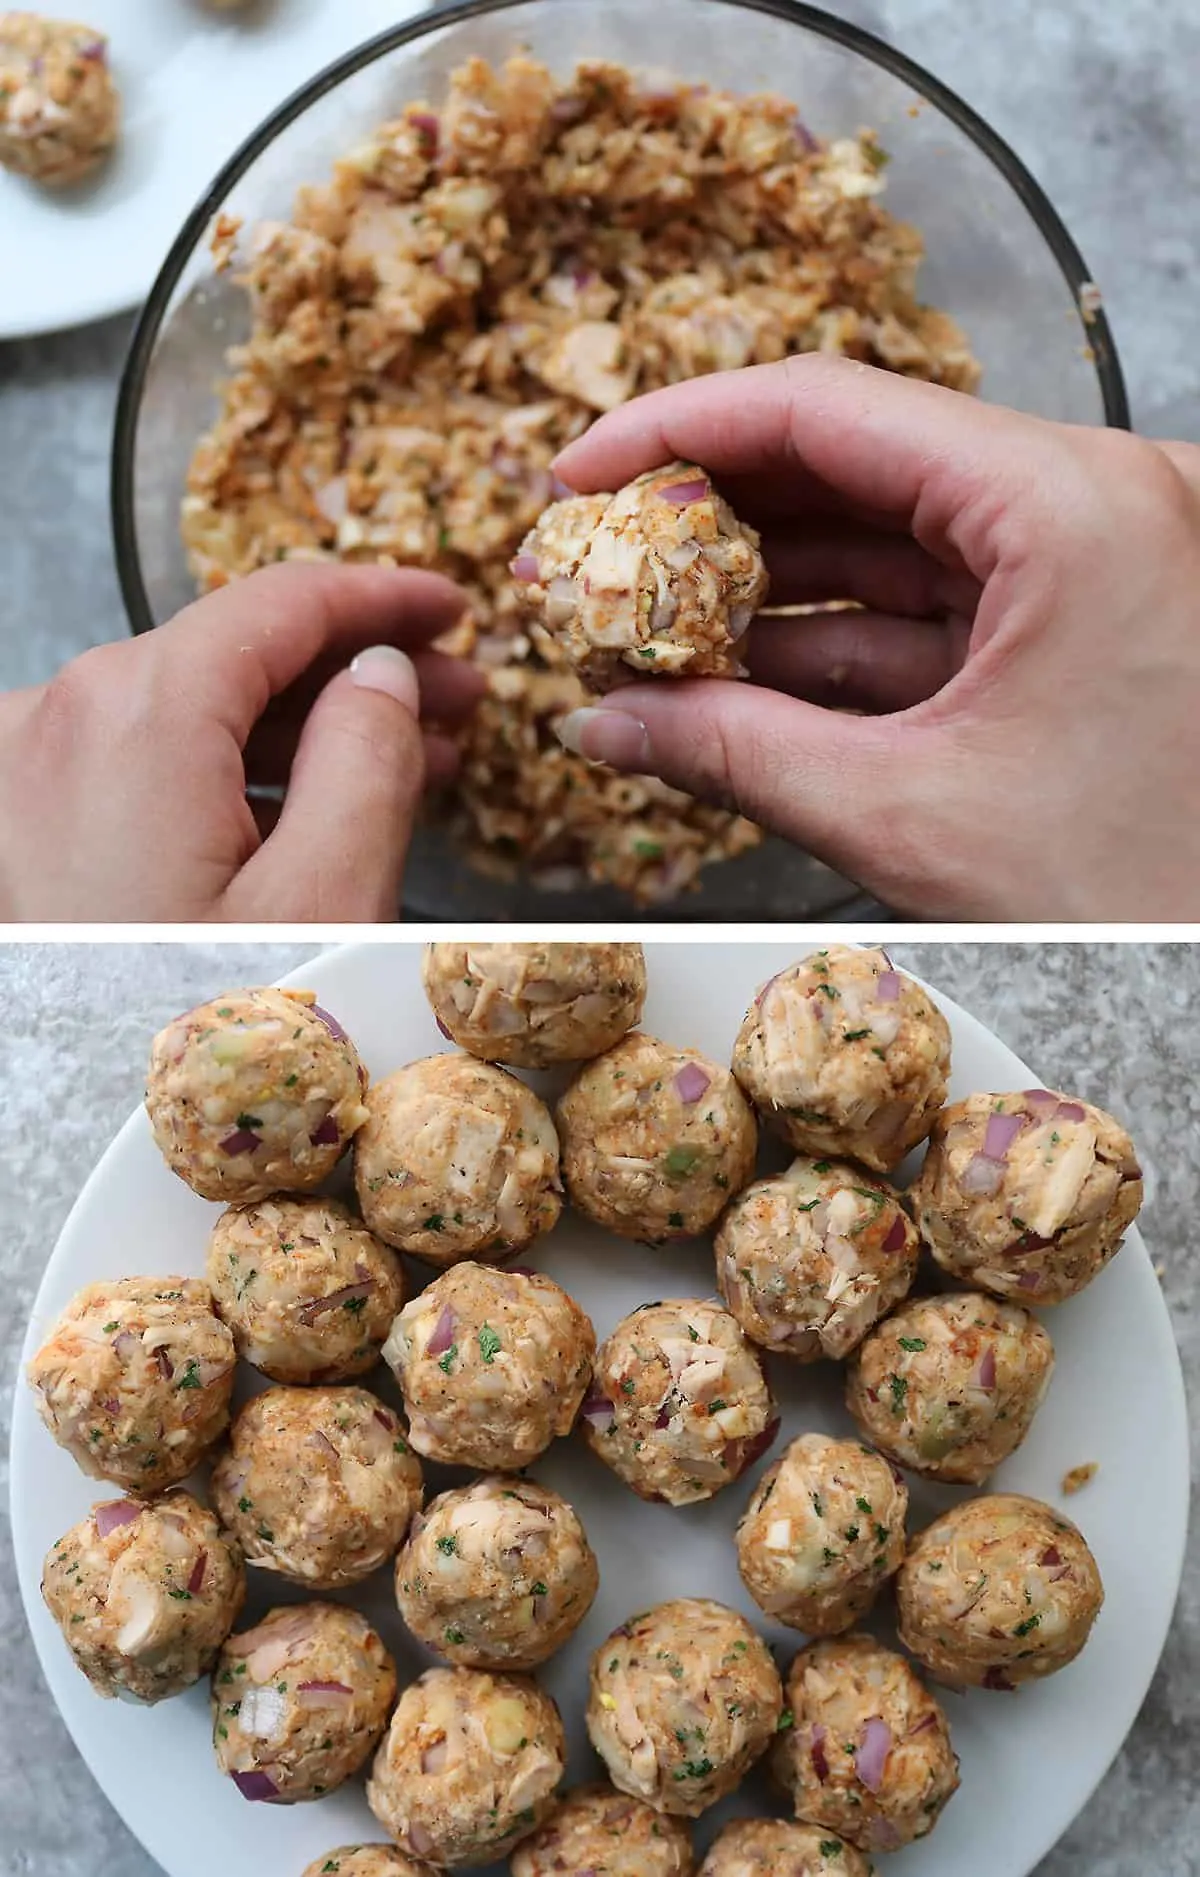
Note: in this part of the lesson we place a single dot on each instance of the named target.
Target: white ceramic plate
(1029, 1760)
(195, 82)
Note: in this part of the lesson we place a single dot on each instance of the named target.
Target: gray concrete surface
(1116, 1023)
(1097, 98)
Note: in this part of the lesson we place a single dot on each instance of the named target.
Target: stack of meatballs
(254, 1098)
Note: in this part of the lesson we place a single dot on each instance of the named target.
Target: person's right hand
(1027, 653)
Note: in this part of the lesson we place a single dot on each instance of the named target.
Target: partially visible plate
(1029, 1760)
(195, 81)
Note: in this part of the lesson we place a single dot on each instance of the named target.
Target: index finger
(236, 649)
(819, 432)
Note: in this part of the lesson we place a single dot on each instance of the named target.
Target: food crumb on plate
(1080, 1476)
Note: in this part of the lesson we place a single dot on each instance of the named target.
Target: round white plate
(1029, 1760)
(195, 83)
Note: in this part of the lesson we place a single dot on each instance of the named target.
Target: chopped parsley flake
(864, 1505)
(681, 1160)
(539, 1589)
(786, 1720)
(693, 1769)
(1023, 1629)
(180, 1596)
(854, 1036)
(110, 1327)
(899, 1387)
(716, 1407)
(191, 1375)
(244, 1504)
(489, 1343)
(249, 1121)
(447, 1361)
(912, 1343)
(433, 1223)
(448, 1545)
(851, 1533)
(453, 1635)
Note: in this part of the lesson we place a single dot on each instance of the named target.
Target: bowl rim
(841, 32)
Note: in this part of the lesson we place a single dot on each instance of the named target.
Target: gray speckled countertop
(1097, 98)
(1114, 1022)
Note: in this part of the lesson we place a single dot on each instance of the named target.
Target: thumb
(860, 793)
(338, 849)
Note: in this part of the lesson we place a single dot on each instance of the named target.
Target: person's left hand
(123, 781)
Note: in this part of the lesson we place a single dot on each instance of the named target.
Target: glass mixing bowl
(998, 258)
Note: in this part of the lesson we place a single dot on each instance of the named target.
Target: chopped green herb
(818, 1504)
(453, 1635)
(290, 1081)
(448, 1545)
(433, 1223)
(828, 1555)
(851, 1533)
(864, 1505)
(447, 1361)
(880, 1533)
(180, 1596)
(191, 1375)
(539, 1589)
(110, 1327)
(354, 1305)
(912, 1343)
(249, 1121)
(489, 1344)
(1023, 1629)
(831, 1847)
(693, 1769)
(648, 850)
(822, 1166)
(681, 1160)
(899, 1387)
(267, 1536)
(717, 1406)
(400, 1445)
(786, 1721)
(244, 1504)
(854, 1036)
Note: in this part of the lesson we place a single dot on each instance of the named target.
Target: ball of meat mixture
(661, 577)
(809, 1259)
(949, 1385)
(134, 1380)
(308, 1292)
(773, 1847)
(997, 1591)
(1027, 1195)
(458, 1159)
(60, 111)
(144, 1594)
(492, 1364)
(319, 1484)
(679, 1404)
(607, 1834)
(535, 1005)
(299, 1701)
(843, 1055)
(681, 1702)
(469, 1766)
(367, 1860)
(255, 1093)
(822, 1533)
(496, 1574)
(868, 1753)
(655, 1140)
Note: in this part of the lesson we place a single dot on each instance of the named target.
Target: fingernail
(607, 736)
(559, 488)
(387, 668)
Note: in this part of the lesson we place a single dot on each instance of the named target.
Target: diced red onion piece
(326, 1135)
(816, 1749)
(419, 1838)
(434, 1758)
(331, 499)
(95, 49)
(331, 1024)
(981, 1176)
(682, 494)
(385, 1419)
(256, 1785)
(875, 1743)
(598, 1409)
(897, 1238)
(887, 987)
(804, 137)
(519, 1270)
(115, 1513)
(1000, 1133)
(241, 1141)
(445, 1032)
(196, 1580)
(1070, 1111)
(124, 1343)
(663, 1417)
(524, 567)
(427, 124)
(1029, 1241)
(1028, 1280)
(320, 1305)
(691, 1082)
(996, 1678)
(922, 1726)
(324, 1694)
(1051, 1555)
(766, 987)
(443, 1333)
(1040, 1100)
(318, 1438)
(987, 1370)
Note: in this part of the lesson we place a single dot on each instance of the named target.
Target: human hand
(124, 778)
(1028, 652)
